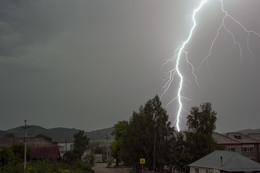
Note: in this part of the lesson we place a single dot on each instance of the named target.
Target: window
(197, 170)
(231, 149)
(247, 149)
(237, 136)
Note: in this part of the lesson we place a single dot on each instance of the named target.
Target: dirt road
(101, 168)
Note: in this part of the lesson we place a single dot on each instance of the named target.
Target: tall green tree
(80, 144)
(70, 157)
(160, 131)
(180, 156)
(201, 124)
(135, 143)
(148, 136)
(119, 132)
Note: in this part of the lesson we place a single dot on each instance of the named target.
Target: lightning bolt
(180, 52)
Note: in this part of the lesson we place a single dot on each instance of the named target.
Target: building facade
(246, 145)
(41, 148)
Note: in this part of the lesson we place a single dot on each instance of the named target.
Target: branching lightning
(181, 54)
(223, 26)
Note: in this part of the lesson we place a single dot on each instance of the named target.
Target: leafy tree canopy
(119, 132)
(202, 119)
(9, 135)
(81, 142)
(146, 135)
(99, 150)
(201, 124)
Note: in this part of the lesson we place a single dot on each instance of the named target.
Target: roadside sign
(142, 161)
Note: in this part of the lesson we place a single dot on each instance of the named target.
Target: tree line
(149, 134)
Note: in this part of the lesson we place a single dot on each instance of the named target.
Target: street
(101, 168)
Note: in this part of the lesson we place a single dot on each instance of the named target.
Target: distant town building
(98, 158)
(41, 148)
(247, 145)
(224, 162)
(64, 147)
(85, 154)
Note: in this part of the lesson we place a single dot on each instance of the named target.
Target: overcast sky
(88, 64)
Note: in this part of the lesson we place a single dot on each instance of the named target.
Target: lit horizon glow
(180, 52)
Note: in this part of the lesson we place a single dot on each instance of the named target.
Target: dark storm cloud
(25, 23)
(88, 64)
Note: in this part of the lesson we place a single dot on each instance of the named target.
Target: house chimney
(221, 161)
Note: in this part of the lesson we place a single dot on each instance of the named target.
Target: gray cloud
(25, 23)
(88, 64)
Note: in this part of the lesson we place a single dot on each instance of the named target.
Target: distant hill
(60, 134)
(32, 131)
(247, 131)
(101, 134)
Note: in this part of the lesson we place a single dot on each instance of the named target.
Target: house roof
(241, 137)
(255, 136)
(231, 161)
(222, 139)
(31, 141)
(40, 142)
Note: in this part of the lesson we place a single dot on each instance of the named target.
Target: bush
(6, 156)
(18, 150)
(11, 163)
(69, 157)
(44, 166)
(12, 168)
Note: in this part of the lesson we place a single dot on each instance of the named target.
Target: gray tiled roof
(255, 136)
(31, 141)
(231, 161)
(222, 139)
(241, 137)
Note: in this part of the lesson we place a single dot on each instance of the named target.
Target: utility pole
(107, 150)
(25, 147)
(154, 149)
(66, 149)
